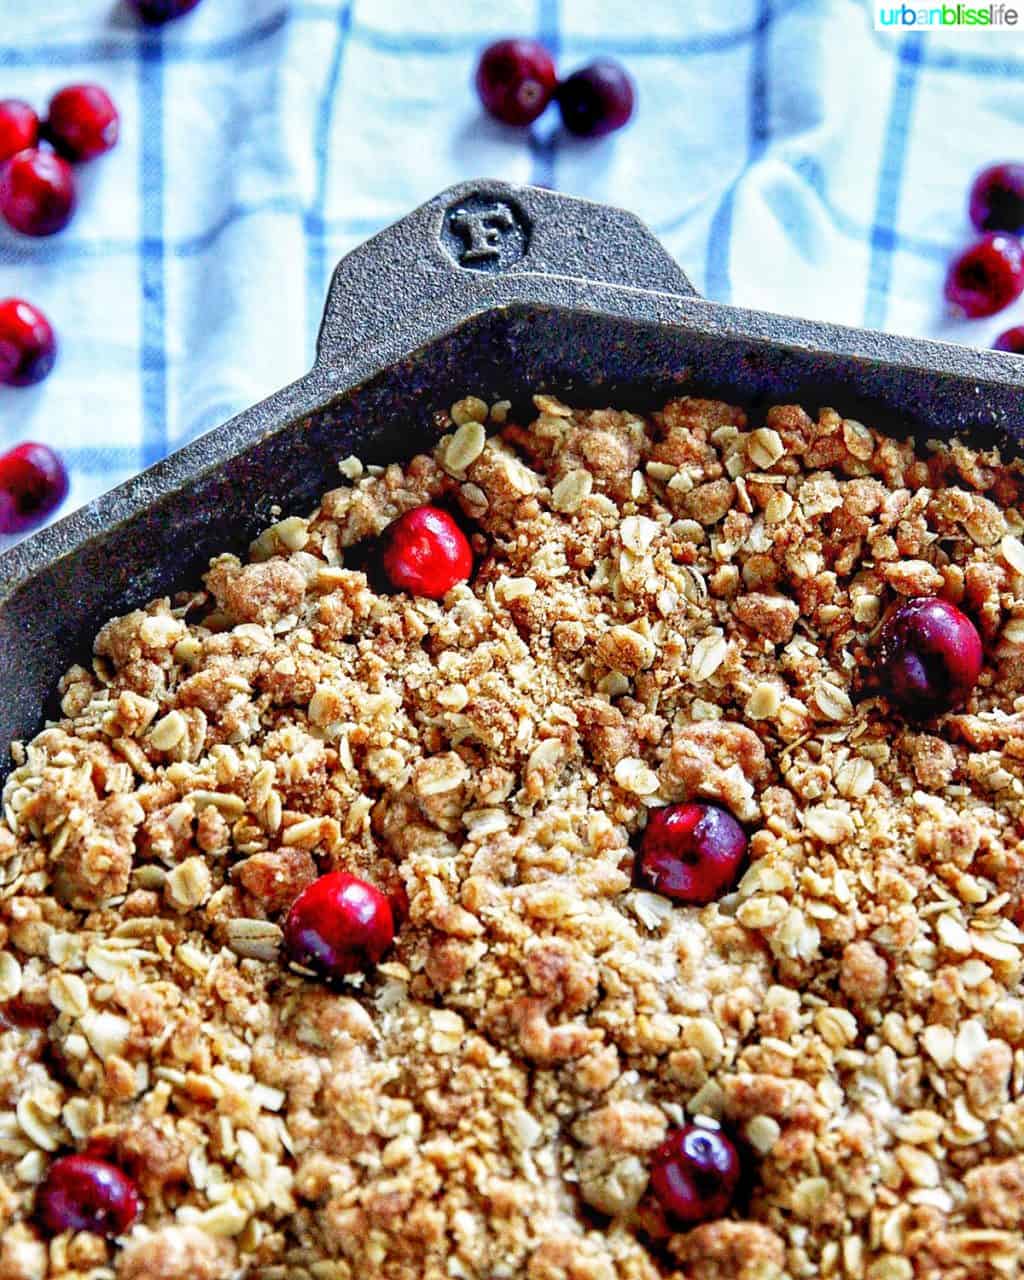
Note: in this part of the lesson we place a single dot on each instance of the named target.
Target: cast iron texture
(488, 289)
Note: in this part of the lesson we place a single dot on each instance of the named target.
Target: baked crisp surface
(664, 608)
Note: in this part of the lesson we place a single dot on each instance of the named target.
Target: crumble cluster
(663, 608)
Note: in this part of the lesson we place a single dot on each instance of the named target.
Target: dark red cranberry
(691, 852)
(1011, 340)
(426, 553)
(997, 198)
(516, 80)
(81, 1193)
(83, 122)
(399, 899)
(26, 1017)
(19, 127)
(597, 99)
(28, 347)
(37, 192)
(33, 483)
(694, 1173)
(104, 1148)
(157, 12)
(339, 925)
(931, 655)
(987, 276)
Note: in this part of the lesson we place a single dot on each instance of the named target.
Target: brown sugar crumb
(863, 973)
(178, 1253)
(996, 1193)
(744, 1250)
(664, 608)
(773, 616)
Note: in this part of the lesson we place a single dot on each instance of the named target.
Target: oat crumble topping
(663, 608)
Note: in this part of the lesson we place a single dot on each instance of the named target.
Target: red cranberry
(19, 127)
(597, 99)
(399, 899)
(83, 122)
(81, 1193)
(516, 80)
(931, 655)
(37, 192)
(691, 852)
(997, 198)
(987, 276)
(28, 347)
(26, 1017)
(157, 12)
(426, 553)
(694, 1173)
(33, 482)
(1011, 340)
(339, 925)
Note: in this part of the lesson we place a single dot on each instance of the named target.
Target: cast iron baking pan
(488, 289)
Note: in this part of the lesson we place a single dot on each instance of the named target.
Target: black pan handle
(447, 258)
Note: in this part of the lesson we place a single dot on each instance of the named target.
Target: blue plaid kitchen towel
(788, 154)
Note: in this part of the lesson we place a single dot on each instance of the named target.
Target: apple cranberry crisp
(615, 878)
